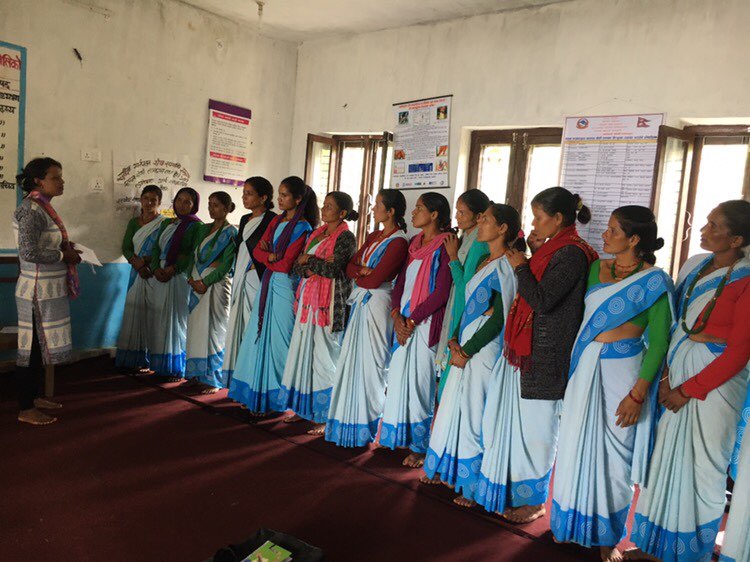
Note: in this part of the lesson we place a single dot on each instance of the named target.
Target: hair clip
(521, 234)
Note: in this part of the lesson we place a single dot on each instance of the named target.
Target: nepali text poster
(134, 170)
(228, 144)
(609, 161)
(12, 104)
(421, 143)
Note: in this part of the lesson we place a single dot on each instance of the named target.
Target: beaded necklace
(636, 270)
(700, 323)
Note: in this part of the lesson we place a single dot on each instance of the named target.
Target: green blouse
(489, 330)
(128, 249)
(187, 246)
(226, 259)
(658, 319)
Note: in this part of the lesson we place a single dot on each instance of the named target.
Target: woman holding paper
(169, 262)
(209, 299)
(47, 279)
(137, 246)
(265, 343)
(257, 196)
(703, 389)
(609, 410)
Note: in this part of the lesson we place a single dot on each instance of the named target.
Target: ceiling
(301, 20)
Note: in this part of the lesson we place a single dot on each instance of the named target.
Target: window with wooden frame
(355, 164)
(698, 167)
(512, 165)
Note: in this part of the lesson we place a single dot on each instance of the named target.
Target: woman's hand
(199, 287)
(303, 259)
(271, 258)
(664, 387)
(145, 273)
(458, 360)
(451, 244)
(264, 246)
(71, 256)
(628, 412)
(675, 400)
(453, 345)
(137, 262)
(534, 241)
(160, 275)
(364, 271)
(515, 258)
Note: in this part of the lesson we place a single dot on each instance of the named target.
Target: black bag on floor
(301, 551)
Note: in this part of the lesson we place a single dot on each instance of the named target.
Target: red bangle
(633, 398)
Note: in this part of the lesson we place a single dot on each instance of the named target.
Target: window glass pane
(542, 171)
(669, 197)
(352, 160)
(494, 161)
(722, 171)
(321, 155)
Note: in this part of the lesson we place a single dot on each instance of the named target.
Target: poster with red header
(228, 144)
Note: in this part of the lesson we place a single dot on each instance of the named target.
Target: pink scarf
(318, 290)
(417, 251)
(74, 288)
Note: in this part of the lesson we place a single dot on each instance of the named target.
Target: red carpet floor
(132, 471)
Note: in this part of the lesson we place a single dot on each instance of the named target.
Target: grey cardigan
(557, 300)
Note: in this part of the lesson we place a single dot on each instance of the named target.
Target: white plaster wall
(148, 71)
(531, 68)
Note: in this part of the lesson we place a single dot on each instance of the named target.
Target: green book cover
(269, 552)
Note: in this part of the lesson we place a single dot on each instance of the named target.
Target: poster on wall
(133, 170)
(421, 140)
(12, 105)
(609, 160)
(228, 144)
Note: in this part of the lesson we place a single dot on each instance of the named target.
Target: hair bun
(352, 216)
(659, 244)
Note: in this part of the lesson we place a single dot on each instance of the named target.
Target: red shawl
(519, 326)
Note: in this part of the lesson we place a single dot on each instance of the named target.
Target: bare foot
(173, 379)
(319, 429)
(507, 513)
(414, 460)
(638, 554)
(294, 418)
(35, 417)
(526, 514)
(424, 479)
(610, 554)
(464, 502)
(46, 404)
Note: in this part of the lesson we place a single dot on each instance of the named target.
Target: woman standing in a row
(608, 412)
(209, 280)
(418, 306)
(359, 384)
(257, 196)
(455, 450)
(522, 416)
(680, 510)
(321, 314)
(265, 343)
(170, 260)
(137, 247)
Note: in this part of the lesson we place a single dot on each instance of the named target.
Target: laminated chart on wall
(12, 106)
(228, 143)
(132, 170)
(421, 141)
(609, 160)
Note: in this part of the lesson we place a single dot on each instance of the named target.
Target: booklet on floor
(269, 552)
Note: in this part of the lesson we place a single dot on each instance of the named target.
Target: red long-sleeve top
(728, 321)
(434, 305)
(284, 265)
(386, 269)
